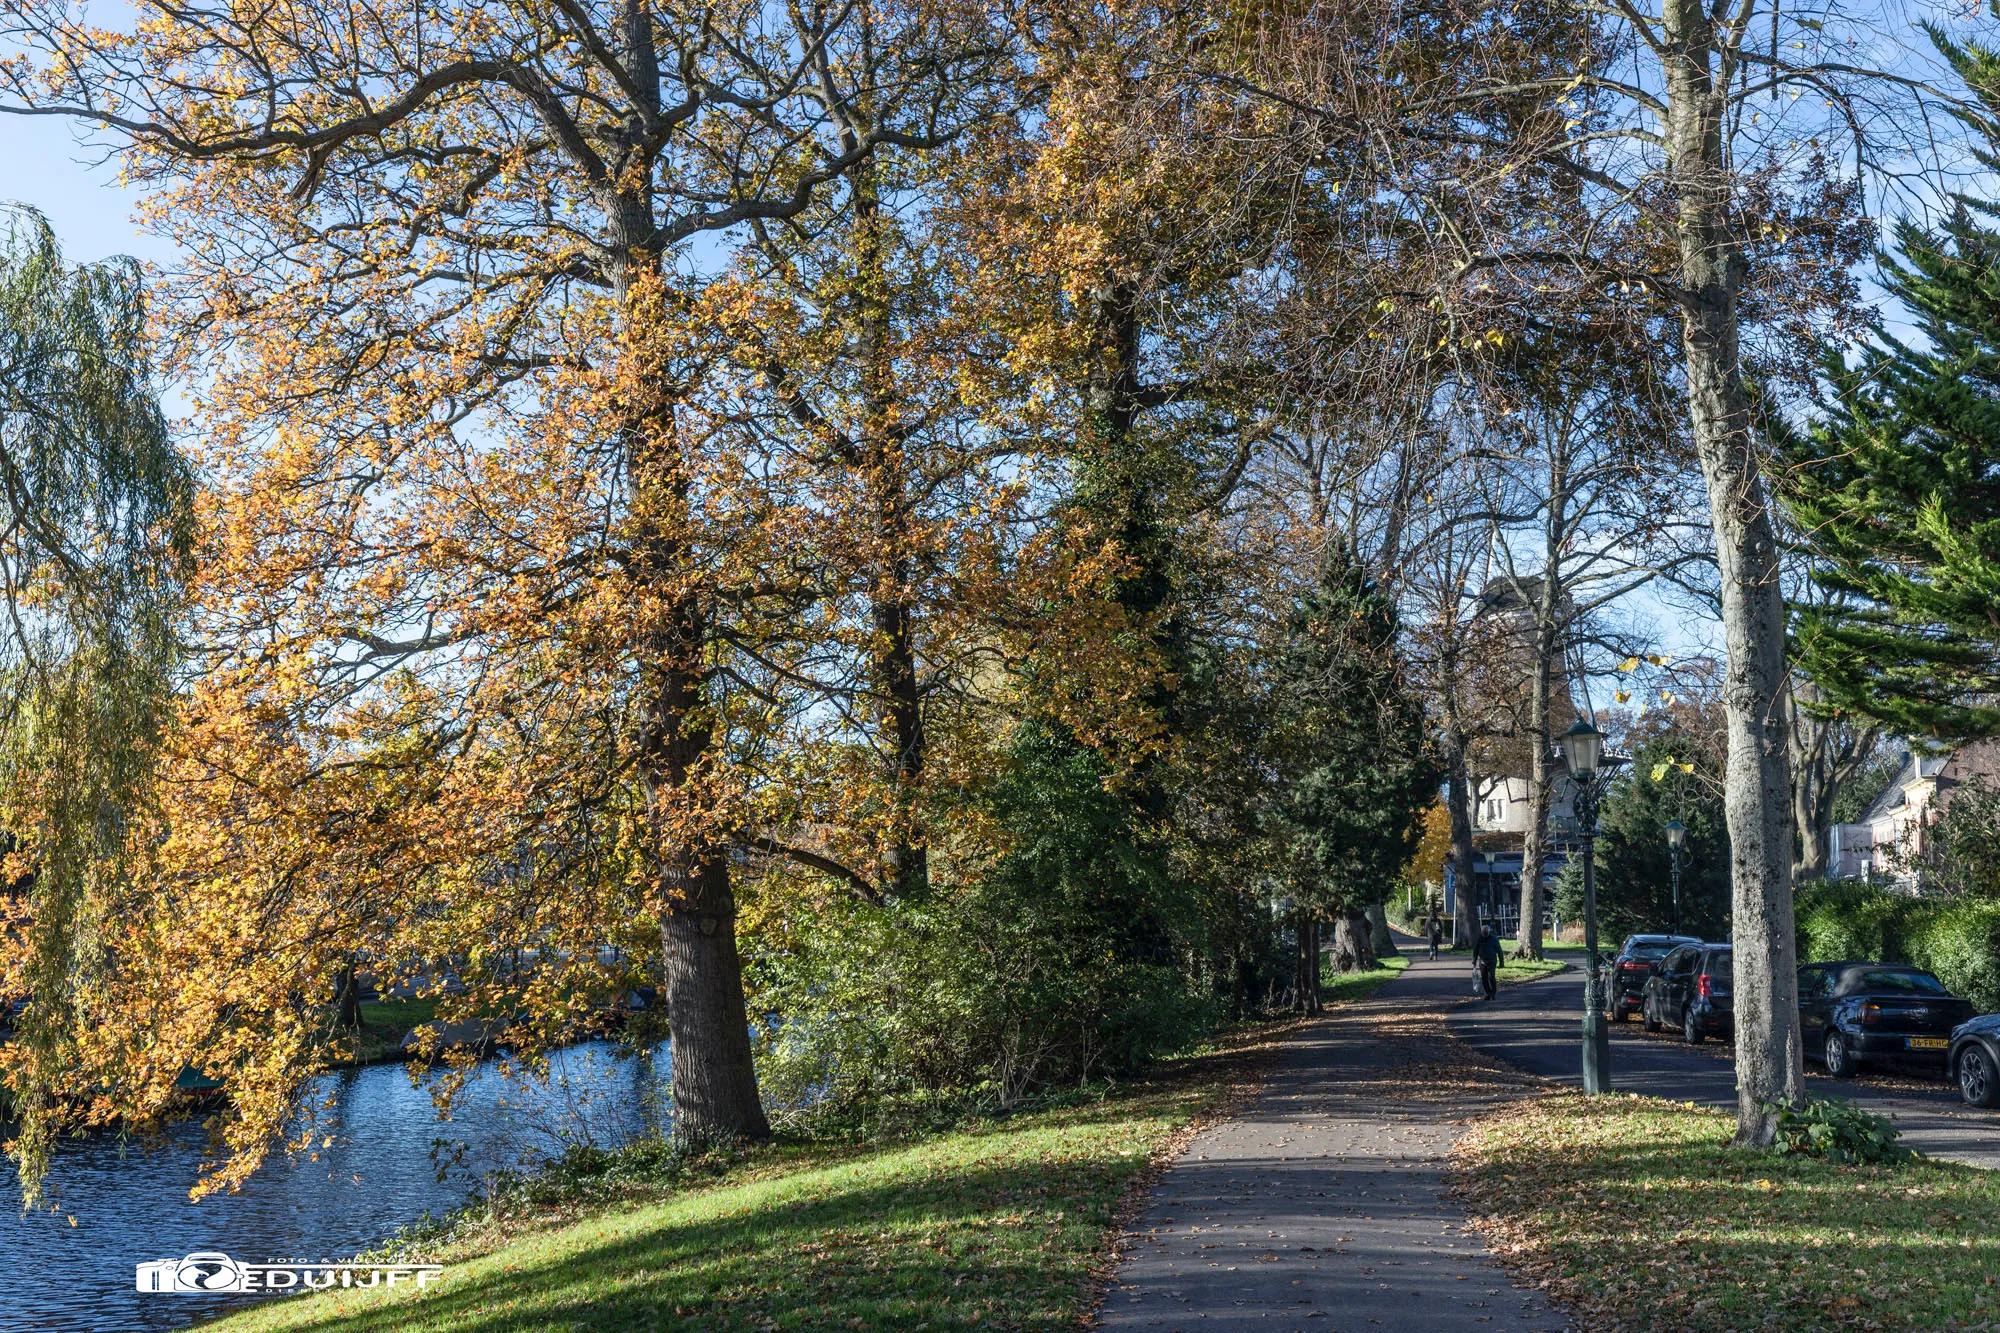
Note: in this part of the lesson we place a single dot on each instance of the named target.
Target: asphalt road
(1537, 1026)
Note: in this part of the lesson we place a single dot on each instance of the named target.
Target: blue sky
(43, 164)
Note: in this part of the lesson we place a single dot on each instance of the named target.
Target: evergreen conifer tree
(1353, 743)
(1897, 494)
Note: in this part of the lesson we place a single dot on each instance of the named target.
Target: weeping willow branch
(95, 538)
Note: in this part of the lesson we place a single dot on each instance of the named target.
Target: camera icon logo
(204, 1270)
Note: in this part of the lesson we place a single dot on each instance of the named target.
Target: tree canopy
(1895, 493)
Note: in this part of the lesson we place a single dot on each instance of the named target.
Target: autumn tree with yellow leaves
(502, 601)
(818, 484)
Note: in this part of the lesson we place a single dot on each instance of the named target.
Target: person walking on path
(1436, 926)
(1486, 957)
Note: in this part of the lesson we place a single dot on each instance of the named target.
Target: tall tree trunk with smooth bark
(1757, 790)
(1534, 843)
(1812, 819)
(1458, 801)
(1826, 753)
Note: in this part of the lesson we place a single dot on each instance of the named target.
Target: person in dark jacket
(1436, 927)
(1486, 957)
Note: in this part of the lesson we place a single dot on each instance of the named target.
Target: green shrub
(1061, 960)
(1841, 1132)
(876, 1005)
(1845, 919)
(1959, 940)
(1956, 938)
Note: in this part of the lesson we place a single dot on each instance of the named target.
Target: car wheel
(1839, 1060)
(1619, 1013)
(1978, 1080)
(1691, 1027)
(1653, 1023)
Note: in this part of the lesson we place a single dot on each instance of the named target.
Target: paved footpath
(1322, 1208)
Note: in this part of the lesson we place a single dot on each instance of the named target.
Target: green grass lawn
(399, 1014)
(1527, 969)
(1343, 987)
(993, 1226)
(1640, 1210)
(1511, 969)
(384, 1024)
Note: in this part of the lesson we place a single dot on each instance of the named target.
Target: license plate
(1928, 1043)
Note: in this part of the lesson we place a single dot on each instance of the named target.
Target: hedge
(1956, 938)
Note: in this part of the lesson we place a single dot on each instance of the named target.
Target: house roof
(1890, 798)
(1980, 759)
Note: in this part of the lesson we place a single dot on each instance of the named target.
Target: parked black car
(1853, 1013)
(1973, 1060)
(1631, 968)
(1692, 989)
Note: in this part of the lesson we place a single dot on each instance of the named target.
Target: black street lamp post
(1676, 835)
(1489, 897)
(1590, 771)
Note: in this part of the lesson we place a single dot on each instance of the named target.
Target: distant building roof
(1979, 759)
(1890, 798)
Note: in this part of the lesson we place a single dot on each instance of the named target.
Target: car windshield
(1915, 983)
(1648, 949)
(1721, 965)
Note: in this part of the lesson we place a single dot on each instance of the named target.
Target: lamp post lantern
(1676, 835)
(1590, 772)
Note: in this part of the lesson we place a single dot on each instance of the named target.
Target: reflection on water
(132, 1205)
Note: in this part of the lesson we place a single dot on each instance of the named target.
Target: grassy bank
(998, 1223)
(1346, 987)
(1527, 969)
(384, 1024)
(1640, 1212)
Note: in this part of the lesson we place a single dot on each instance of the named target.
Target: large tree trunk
(1353, 941)
(885, 472)
(896, 677)
(1812, 788)
(1534, 850)
(1825, 754)
(714, 1081)
(1379, 936)
(347, 1000)
(1305, 999)
(1458, 800)
(1534, 844)
(1757, 788)
(1812, 819)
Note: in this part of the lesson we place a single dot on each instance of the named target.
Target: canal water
(131, 1206)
